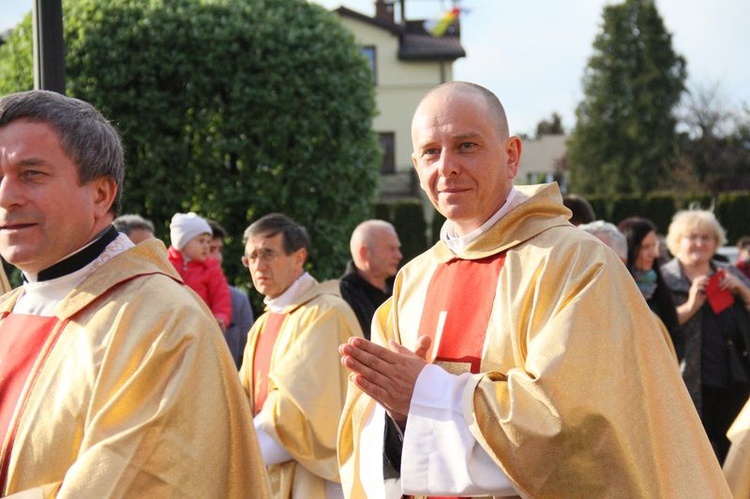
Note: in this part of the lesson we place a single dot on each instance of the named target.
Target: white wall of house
(539, 157)
(400, 85)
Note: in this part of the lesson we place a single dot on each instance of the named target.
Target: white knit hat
(186, 226)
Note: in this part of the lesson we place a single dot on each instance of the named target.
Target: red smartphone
(718, 299)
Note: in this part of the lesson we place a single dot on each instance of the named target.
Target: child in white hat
(188, 252)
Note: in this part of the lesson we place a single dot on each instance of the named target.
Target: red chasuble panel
(22, 338)
(457, 311)
(262, 359)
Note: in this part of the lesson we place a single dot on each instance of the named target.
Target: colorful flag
(440, 26)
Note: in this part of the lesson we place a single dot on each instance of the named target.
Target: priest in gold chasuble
(517, 356)
(115, 380)
(291, 370)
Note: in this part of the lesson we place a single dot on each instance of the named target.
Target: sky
(532, 53)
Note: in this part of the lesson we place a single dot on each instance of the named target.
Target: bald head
(464, 89)
(375, 251)
(368, 232)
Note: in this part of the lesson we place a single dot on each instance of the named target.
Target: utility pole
(49, 51)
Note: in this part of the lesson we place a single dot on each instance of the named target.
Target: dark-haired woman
(643, 264)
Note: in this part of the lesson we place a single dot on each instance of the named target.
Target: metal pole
(49, 53)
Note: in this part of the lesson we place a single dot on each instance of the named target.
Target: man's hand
(386, 375)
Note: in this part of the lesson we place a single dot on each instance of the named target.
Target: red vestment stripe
(262, 359)
(32, 338)
(457, 312)
(21, 340)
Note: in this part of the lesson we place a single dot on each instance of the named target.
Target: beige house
(542, 160)
(406, 61)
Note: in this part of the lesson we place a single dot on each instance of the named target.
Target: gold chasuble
(128, 391)
(292, 374)
(576, 394)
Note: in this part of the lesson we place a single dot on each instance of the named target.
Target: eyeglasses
(264, 255)
(704, 238)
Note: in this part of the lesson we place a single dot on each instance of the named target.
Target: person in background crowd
(743, 256)
(291, 371)
(516, 356)
(137, 228)
(188, 252)
(366, 284)
(242, 312)
(643, 264)
(610, 235)
(582, 212)
(712, 300)
(114, 379)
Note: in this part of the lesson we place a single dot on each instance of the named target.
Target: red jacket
(744, 266)
(206, 279)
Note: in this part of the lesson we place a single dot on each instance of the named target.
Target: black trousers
(719, 408)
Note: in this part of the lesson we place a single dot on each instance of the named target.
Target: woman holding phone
(712, 301)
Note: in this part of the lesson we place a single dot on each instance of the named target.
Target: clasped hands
(388, 375)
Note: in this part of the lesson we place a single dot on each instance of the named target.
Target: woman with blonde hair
(712, 301)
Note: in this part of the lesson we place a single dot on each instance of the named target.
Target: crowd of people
(534, 351)
(703, 302)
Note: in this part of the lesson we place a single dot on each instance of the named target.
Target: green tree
(230, 108)
(624, 140)
(715, 148)
(551, 127)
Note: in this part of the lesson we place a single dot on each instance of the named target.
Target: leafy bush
(626, 206)
(659, 208)
(410, 224)
(600, 205)
(732, 210)
(232, 108)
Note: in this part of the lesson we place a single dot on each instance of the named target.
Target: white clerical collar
(297, 289)
(457, 243)
(41, 297)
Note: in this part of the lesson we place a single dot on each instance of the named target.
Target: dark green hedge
(231, 109)
(659, 208)
(600, 205)
(437, 223)
(731, 209)
(409, 221)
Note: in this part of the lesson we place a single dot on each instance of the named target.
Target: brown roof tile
(415, 43)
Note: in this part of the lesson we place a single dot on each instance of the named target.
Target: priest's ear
(300, 257)
(103, 192)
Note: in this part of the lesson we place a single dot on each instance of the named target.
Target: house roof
(415, 42)
(418, 43)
